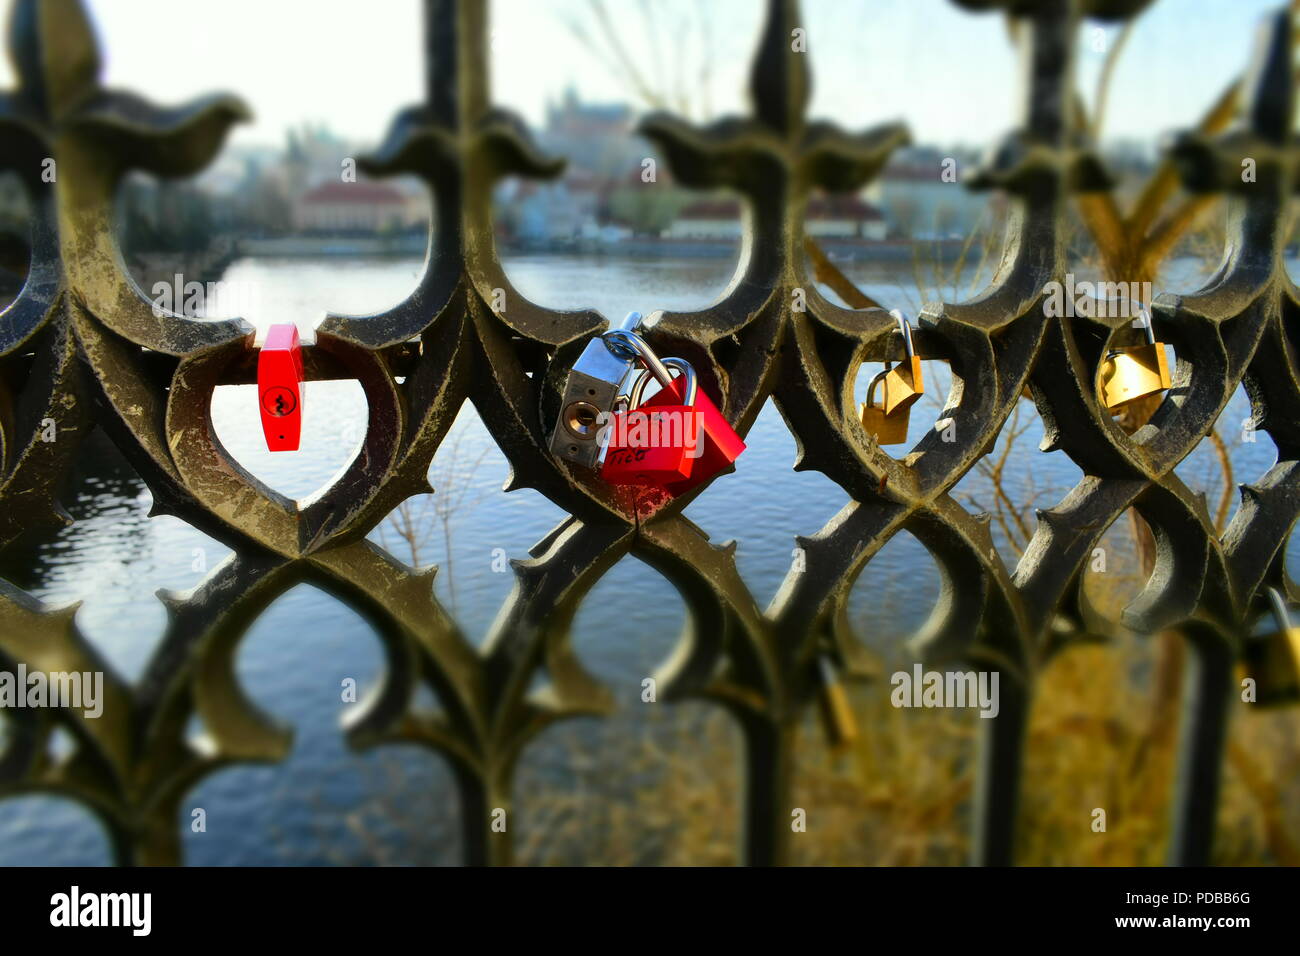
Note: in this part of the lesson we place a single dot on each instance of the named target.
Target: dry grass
(660, 784)
(665, 790)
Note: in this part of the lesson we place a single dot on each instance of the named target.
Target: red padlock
(655, 446)
(279, 388)
(716, 444)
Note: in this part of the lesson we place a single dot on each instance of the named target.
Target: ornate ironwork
(82, 344)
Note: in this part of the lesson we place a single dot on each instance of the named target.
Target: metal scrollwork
(81, 344)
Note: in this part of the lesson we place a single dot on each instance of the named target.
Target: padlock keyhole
(581, 419)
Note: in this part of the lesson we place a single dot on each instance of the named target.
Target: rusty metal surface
(81, 344)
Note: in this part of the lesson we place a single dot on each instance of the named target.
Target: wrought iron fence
(82, 346)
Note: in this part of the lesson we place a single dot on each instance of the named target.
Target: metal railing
(81, 345)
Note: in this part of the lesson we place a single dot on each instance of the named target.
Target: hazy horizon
(872, 61)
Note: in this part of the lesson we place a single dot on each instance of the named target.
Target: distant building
(264, 190)
(919, 203)
(596, 138)
(543, 212)
(573, 119)
(312, 156)
(356, 207)
(830, 217)
(843, 217)
(707, 219)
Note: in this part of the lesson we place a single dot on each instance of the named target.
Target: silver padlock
(591, 390)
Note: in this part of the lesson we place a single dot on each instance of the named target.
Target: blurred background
(285, 240)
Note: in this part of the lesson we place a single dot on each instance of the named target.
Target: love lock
(887, 422)
(838, 722)
(1128, 374)
(1273, 662)
(657, 446)
(591, 390)
(279, 387)
(692, 441)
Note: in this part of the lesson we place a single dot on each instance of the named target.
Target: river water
(326, 804)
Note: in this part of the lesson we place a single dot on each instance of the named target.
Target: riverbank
(402, 246)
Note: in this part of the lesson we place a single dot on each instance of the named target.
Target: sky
(949, 73)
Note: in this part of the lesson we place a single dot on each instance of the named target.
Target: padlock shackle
(631, 397)
(629, 345)
(826, 669)
(906, 328)
(688, 373)
(1145, 316)
(871, 389)
(617, 344)
(1280, 612)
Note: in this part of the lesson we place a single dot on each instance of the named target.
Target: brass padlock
(1128, 374)
(887, 422)
(1273, 662)
(838, 722)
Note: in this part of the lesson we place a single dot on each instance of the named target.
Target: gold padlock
(1273, 662)
(1134, 372)
(887, 422)
(838, 722)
